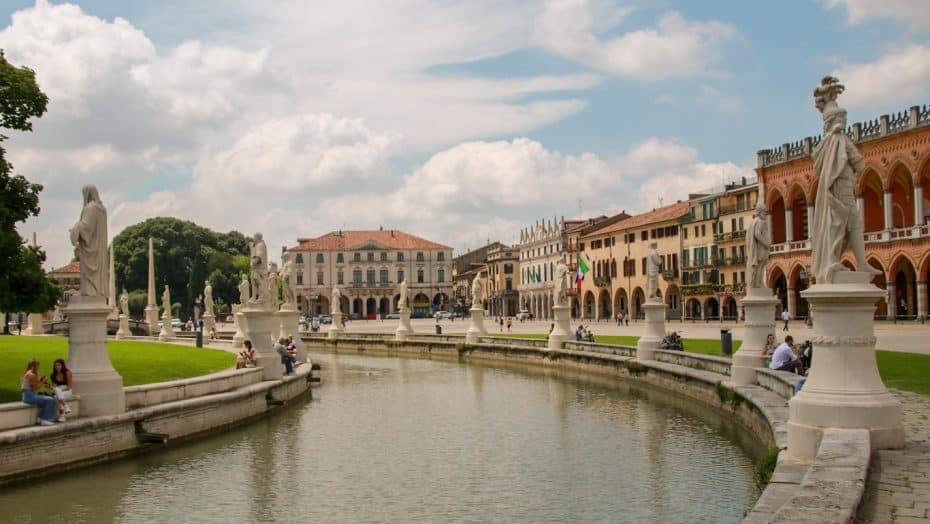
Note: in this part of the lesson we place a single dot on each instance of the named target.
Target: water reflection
(417, 440)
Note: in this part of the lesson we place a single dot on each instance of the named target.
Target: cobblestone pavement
(898, 489)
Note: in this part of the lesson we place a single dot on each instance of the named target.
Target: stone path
(898, 489)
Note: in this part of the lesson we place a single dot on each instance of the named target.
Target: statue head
(760, 209)
(653, 245)
(91, 194)
(257, 237)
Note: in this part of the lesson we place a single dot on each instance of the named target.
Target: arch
(371, 305)
(798, 281)
(711, 308)
(322, 306)
(871, 192)
(881, 307)
(639, 297)
(576, 308)
(904, 276)
(673, 301)
(420, 305)
(693, 309)
(778, 283)
(604, 308)
(440, 301)
(777, 212)
(849, 262)
(395, 302)
(356, 306)
(384, 306)
(922, 179)
(797, 203)
(730, 308)
(588, 305)
(621, 302)
(901, 184)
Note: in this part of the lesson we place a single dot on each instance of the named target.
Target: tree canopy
(24, 285)
(186, 255)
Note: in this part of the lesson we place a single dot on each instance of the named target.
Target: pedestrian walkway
(898, 488)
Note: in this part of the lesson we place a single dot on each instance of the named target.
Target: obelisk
(151, 310)
(111, 297)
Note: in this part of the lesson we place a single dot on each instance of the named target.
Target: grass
(904, 371)
(137, 362)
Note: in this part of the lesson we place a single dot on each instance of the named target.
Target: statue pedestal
(209, 322)
(758, 323)
(259, 322)
(34, 326)
(655, 331)
(843, 388)
(476, 326)
(404, 329)
(123, 330)
(151, 318)
(336, 329)
(167, 330)
(99, 386)
(288, 318)
(562, 330)
(238, 320)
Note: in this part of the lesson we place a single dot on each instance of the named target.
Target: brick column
(892, 301)
(886, 205)
(789, 226)
(922, 298)
(792, 302)
(918, 206)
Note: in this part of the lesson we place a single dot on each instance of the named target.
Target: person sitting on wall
(783, 359)
(281, 350)
(672, 341)
(579, 332)
(61, 386)
(246, 358)
(291, 348)
(30, 384)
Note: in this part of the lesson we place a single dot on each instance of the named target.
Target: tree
(24, 285)
(186, 254)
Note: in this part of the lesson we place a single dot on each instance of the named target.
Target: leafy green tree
(138, 299)
(186, 254)
(24, 285)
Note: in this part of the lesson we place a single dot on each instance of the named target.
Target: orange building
(893, 195)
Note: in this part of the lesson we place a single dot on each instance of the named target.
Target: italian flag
(582, 271)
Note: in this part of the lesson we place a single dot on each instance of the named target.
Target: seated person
(213, 333)
(579, 332)
(61, 382)
(672, 341)
(30, 384)
(291, 348)
(783, 358)
(246, 358)
(286, 356)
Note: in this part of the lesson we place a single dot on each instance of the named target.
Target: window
(371, 256)
(370, 276)
(357, 276)
(384, 256)
(319, 278)
(693, 216)
(742, 252)
(581, 246)
(742, 277)
(299, 258)
(357, 257)
(339, 279)
(440, 257)
(508, 269)
(400, 256)
(685, 231)
(384, 276)
(420, 276)
(703, 229)
(723, 278)
(740, 223)
(300, 279)
(509, 284)
(419, 256)
(644, 235)
(732, 224)
(644, 265)
(685, 255)
(675, 262)
(697, 231)
(400, 276)
(441, 275)
(339, 259)
(735, 280)
(319, 258)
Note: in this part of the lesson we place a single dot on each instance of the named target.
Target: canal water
(418, 440)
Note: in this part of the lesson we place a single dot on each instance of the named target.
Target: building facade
(540, 249)
(893, 197)
(368, 267)
(464, 269)
(503, 270)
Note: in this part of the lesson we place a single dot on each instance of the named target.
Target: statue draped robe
(89, 234)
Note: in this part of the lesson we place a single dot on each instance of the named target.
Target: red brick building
(893, 195)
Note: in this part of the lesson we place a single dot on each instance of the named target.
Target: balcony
(689, 290)
(872, 237)
(602, 281)
(732, 236)
(670, 275)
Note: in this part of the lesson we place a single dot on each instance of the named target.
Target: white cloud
(914, 12)
(675, 47)
(897, 78)
(723, 102)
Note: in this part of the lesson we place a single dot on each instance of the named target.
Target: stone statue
(207, 298)
(564, 283)
(336, 301)
(259, 267)
(244, 289)
(273, 278)
(124, 303)
(653, 265)
(758, 242)
(402, 302)
(287, 280)
(166, 302)
(836, 161)
(89, 235)
(476, 290)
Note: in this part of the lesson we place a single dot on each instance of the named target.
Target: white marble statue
(207, 298)
(166, 302)
(259, 270)
(336, 307)
(273, 278)
(124, 303)
(89, 235)
(758, 242)
(476, 291)
(836, 218)
(563, 282)
(244, 291)
(402, 302)
(653, 266)
(288, 277)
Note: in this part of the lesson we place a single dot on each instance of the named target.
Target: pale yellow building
(503, 271)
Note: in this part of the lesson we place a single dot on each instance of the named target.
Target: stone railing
(885, 125)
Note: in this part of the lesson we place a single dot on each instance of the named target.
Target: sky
(461, 122)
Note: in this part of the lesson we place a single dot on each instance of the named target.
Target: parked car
(326, 319)
(442, 314)
(175, 323)
(524, 314)
(315, 324)
(303, 320)
(392, 316)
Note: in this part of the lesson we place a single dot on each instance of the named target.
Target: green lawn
(137, 362)
(904, 371)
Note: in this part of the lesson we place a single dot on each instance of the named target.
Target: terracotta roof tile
(351, 240)
(661, 214)
(74, 267)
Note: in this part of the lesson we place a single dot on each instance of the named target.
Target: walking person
(786, 317)
(509, 324)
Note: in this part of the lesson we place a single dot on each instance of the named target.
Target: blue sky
(458, 122)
